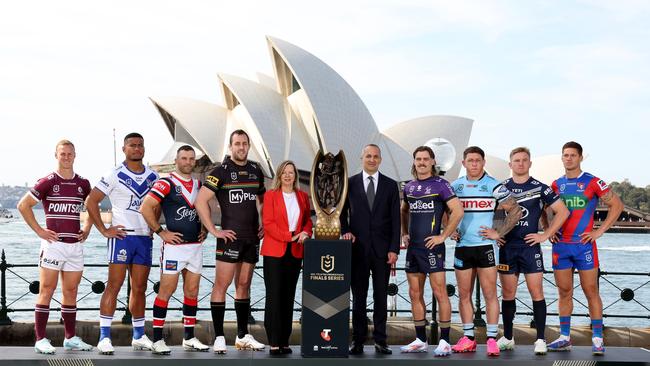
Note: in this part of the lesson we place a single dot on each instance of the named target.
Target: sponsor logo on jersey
(419, 205)
(326, 334)
(574, 201)
(52, 262)
(121, 255)
(478, 204)
(603, 186)
(503, 267)
(65, 207)
(185, 213)
(458, 262)
(171, 265)
(212, 181)
(524, 215)
(239, 196)
(134, 204)
(103, 182)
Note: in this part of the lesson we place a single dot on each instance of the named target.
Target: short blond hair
(277, 181)
(63, 142)
(521, 149)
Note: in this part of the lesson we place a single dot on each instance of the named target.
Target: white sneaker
(220, 345)
(414, 347)
(194, 345)
(105, 347)
(44, 346)
(247, 342)
(540, 347)
(142, 344)
(160, 348)
(76, 344)
(506, 344)
(443, 349)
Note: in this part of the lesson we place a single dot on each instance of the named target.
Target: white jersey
(126, 190)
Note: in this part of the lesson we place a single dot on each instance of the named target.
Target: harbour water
(617, 252)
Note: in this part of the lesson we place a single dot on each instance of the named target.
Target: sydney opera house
(304, 107)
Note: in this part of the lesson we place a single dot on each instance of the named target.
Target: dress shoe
(275, 351)
(383, 349)
(286, 350)
(356, 348)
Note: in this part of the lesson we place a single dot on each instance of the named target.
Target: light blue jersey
(480, 199)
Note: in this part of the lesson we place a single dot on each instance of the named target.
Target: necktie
(370, 192)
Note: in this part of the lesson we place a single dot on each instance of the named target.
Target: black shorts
(520, 259)
(240, 250)
(425, 260)
(474, 257)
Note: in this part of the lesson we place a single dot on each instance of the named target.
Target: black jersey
(237, 188)
(176, 196)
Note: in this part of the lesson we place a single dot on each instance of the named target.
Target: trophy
(328, 188)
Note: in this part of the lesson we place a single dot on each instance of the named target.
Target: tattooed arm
(513, 214)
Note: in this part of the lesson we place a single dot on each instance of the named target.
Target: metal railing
(626, 294)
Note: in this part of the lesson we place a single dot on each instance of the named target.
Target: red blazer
(276, 224)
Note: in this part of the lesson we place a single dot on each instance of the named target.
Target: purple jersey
(63, 200)
(427, 203)
(176, 196)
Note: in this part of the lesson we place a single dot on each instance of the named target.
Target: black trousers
(362, 267)
(280, 277)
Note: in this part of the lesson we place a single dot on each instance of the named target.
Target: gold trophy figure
(328, 188)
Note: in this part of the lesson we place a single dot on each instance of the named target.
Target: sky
(532, 73)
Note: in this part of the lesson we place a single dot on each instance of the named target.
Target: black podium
(326, 298)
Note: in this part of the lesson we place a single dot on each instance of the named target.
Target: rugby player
(238, 185)
(575, 245)
(181, 250)
(129, 240)
(426, 198)
(62, 193)
(522, 252)
(474, 255)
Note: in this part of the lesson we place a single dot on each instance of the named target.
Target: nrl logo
(327, 263)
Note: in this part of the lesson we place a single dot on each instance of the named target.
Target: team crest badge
(327, 263)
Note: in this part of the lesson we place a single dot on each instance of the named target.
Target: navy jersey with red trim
(176, 196)
(427, 200)
(237, 188)
(531, 196)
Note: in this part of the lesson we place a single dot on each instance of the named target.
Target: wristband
(159, 230)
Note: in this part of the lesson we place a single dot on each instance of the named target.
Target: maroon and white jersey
(63, 200)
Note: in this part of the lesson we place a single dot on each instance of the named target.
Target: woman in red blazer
(287, 223)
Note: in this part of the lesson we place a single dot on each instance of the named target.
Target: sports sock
(41, 314)
(420, 329)
(242, 309)
(159, 315)
(597, 328)
(189, 316)
(218, 310)
(69, 315)
(468, 331)
(565, 325)
(444, 329)
(492, 330)
(105, 322)
(508, 309)
(539, 315)
(138, 327)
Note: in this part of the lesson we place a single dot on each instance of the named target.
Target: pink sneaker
(492, 347)
(466, 345)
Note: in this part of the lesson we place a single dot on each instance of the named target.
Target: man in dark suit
(370, 219)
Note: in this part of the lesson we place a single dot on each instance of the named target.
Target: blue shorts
(575, 255)
(425, 260)
(520, 259)
(133, 249)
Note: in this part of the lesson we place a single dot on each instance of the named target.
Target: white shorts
(175, 258)
(59, 256)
